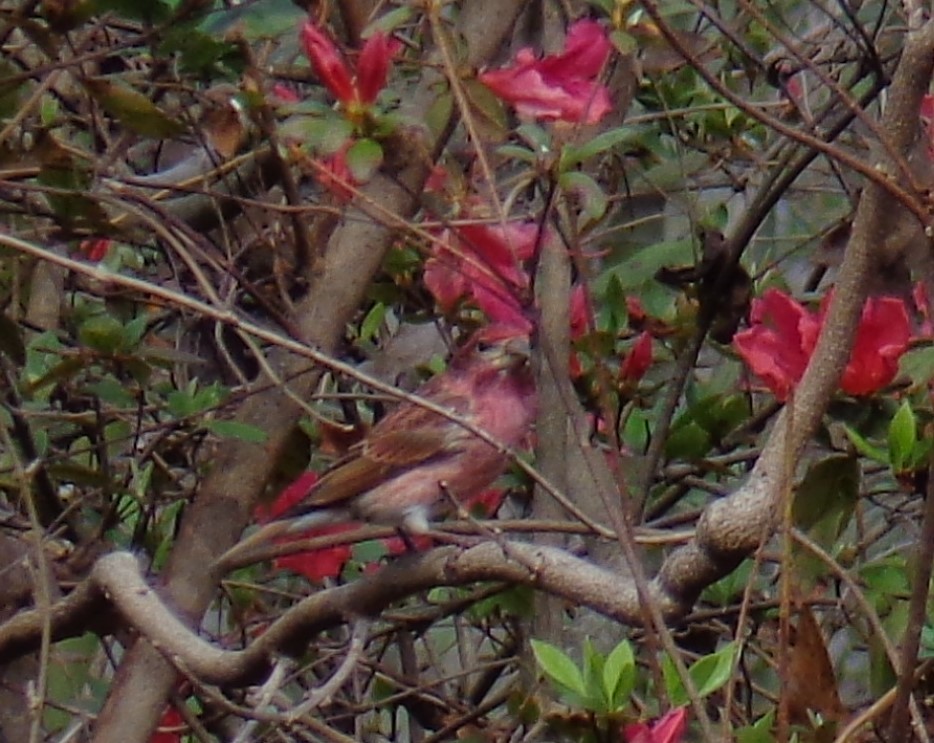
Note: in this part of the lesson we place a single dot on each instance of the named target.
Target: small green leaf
(601, 143)
(559, 668)
(624, 43)
(518, 153)
(389, 22)
(371, 324)
(619, 675)
(439, 113)
(876, 453)
(102, 332)
(588, 193)
(712, 671)
(237, 430)
(826, 498)
(708, 674)
(596, 700)
(133, 109)
(759, 732)
(902, 437)
(364, 158)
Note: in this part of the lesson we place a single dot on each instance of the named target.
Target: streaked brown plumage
(402, 472)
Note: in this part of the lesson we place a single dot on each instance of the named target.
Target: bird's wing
(408, 437)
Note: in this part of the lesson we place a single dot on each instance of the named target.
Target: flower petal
(328, 62)
(882, 337)
(373, 66)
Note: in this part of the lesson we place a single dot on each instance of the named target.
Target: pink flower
(315, 564)
(171, 726)
(285, 94)
(638, 360)
(669, 728)
(783, 335)
(779, 342)
(579, 316)
(559, 86)
(95, 248)
(354, 89)
(483, 263)
(333, 172)
(882, 338)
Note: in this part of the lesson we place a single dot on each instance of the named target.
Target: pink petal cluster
(354, 88)
(559, 86)
(171, 727)
(638, 360)
(328, 562)
(783, 334)
(483, 263)
(669, 728)
(333, 173)
(316, 565)
(95, 248)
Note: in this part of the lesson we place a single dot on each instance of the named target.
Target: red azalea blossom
(335, 175)
(783, 334)
(580, 318)
(171, 718)
(285, 94)
(779, 342)
(638, 360)
(559, 86)
(883, 336)
(486, 267)
(316, 564)
(669, 728)
(96, 248)
(358, 90)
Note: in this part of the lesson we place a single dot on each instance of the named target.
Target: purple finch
(414, 460)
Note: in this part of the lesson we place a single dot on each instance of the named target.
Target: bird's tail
(267, 533)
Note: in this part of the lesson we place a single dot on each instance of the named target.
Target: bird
(414, 461)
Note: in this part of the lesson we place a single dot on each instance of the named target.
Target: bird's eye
(485, 346)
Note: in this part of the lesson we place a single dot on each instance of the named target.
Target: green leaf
(687, 440)
(902, 437)
(572, 156)
(559, 668)
(589, 195)
(760, 732)
(826, 498)
(918, 365)
(237, 430)
(708, 674)
(102, 332)
(439, 113)
(364, 158)
(518, 153)
(712, 671)
(876, 453)
(133, 109)
(389, 22)
(596, 700)
(371, 324)
(619, 675)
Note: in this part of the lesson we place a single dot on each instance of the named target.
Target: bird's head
(492, 349)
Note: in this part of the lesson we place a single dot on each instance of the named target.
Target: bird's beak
(515, 352)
